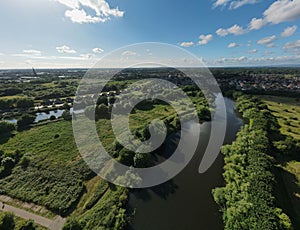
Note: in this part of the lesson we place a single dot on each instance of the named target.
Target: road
(53, 224)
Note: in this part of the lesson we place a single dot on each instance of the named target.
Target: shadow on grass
(286, 191)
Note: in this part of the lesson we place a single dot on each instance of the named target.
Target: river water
(186, 202)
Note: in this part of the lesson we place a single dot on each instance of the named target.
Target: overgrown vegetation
(247, 201)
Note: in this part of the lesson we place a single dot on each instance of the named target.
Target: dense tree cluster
(247, 200)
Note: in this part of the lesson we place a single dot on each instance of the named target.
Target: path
(55, 224)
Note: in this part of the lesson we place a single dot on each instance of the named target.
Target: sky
(77, 33)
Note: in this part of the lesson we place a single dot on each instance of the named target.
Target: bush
(27, 225)
(7, 221)
(72, 224)
(52, 118)
(23, 103)
(25, 120)
(66, 115)
(6, 127)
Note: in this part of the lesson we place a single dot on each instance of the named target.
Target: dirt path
(55, 224)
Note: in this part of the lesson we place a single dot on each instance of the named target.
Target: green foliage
(25, 120)
(6, 127)
(72, 224)
(7, 221)
(142, 160)
(23, 103)
(98, 193)
(247, 200)
(52, 118)
(108, 213)
(26, 225)
(66, 115)
(54, 177)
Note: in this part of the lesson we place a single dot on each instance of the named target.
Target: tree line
(247, 200)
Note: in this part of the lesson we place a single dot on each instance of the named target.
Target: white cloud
(220, 3)
(80, 16)
(205, 39)
(267, 40)
(32, 52)
(278, 12)
(235, 30)
(234, 4)
(289, 31)
(65, 49)
(232, 45)
(292, 46)
(252, 51)
(70, 3)
(238, 4)
(129, 53)
(251, 61)
(270, 45)
(87, 56)
(187, 44)
(256, 23)
(102, 10)
(282, 11)
(98, 50)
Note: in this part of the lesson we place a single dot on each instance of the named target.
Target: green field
(287, 110)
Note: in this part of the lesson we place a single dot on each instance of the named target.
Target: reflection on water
(44, 116)
(186, 201)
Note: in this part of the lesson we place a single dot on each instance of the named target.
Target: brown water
(186, 202)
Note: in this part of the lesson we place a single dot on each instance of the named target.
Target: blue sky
(76, 33)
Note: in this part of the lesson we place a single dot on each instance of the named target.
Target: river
(186, 202)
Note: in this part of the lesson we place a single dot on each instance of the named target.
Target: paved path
(55, 224)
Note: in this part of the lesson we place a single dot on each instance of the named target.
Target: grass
(287, 110)
(55, 175)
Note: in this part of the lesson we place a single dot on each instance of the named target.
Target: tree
(27, 225)
(6, 127)
(72, 224)
(142, 160)
(52, 118)
(102, 112)
(7, 221)
(25, 120)
(66, 115)
(23, 103)
(102, 100)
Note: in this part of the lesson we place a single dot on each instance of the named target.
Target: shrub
(6, 127)
(7, 221)
(52, 118)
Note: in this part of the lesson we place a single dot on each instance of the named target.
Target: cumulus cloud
(98, 50)
(102, 10)
(129, 53)
(80, 16)
(292, 46)
(232, 45)
(257, 23)
(289, 31)
(282, 11)
(205, 39)
(267, 41)
(235, 30)
(187, 44)
(278, 12)
(65, 49)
